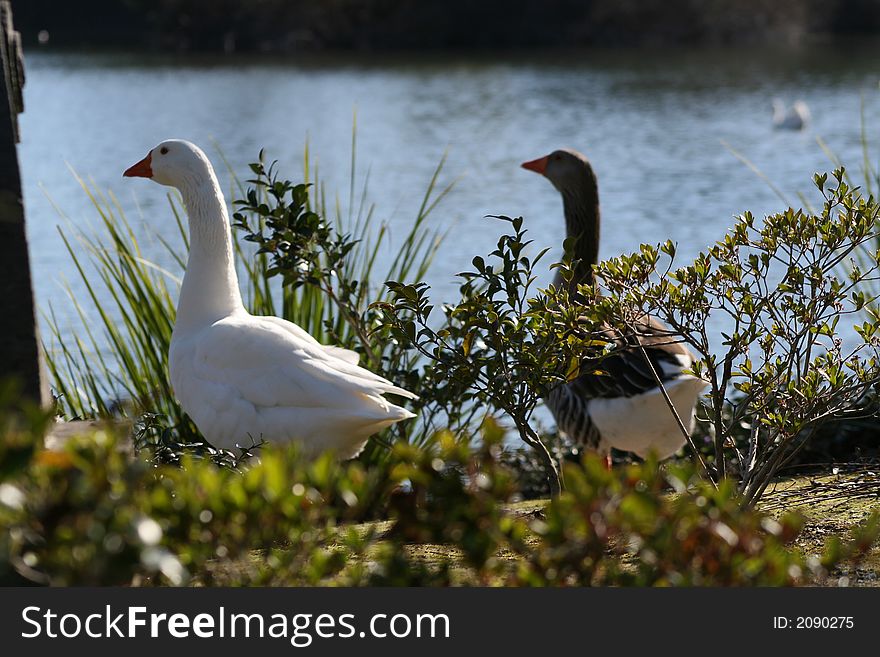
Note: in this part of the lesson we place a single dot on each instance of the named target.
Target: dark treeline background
(290, 25)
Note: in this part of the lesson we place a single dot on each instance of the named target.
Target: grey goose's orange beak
(143, 169)
(538, 166)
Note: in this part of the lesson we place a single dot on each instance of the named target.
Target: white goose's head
(175, 163)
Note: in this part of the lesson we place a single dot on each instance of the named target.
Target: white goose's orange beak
(143, 169)
(537, 166)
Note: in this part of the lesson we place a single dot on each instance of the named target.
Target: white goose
(795, 117)
(623, 407)
(238, 375)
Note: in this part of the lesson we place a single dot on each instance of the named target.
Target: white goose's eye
(163, 150)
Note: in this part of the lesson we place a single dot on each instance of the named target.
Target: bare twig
(672, 409)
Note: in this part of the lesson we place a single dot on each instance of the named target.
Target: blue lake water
(653, 124)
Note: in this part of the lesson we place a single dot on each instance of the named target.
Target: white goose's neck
(210, 285)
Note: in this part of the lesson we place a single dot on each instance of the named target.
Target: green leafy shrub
(777, 284)
(498, 346)
(637, 526)
(92, 513)
(20, 422)
(627, 528)
(853, 437)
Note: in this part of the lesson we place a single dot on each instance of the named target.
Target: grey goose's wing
(626, 372)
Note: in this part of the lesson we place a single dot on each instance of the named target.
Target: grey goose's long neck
(581, 207)
(210, 285)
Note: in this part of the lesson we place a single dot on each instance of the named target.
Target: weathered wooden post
(20, 352)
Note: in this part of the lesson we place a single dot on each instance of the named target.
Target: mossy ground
(832, 503)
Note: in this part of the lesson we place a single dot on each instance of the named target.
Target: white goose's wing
(300, 334)
(271, 365)
(349, 356)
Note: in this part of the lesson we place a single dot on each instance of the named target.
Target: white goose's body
(621, 406)
(244, 377)
(795, 117)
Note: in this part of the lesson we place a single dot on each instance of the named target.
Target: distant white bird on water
(795, 117)
(238, 375)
